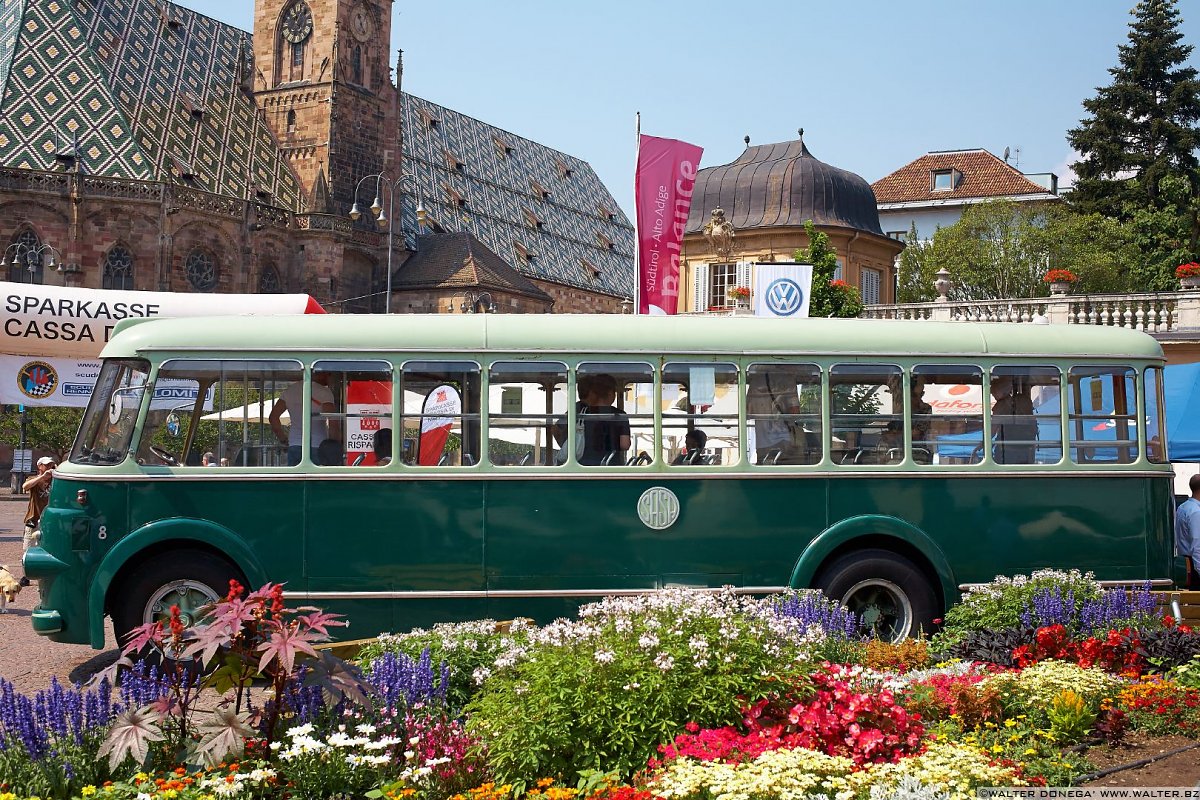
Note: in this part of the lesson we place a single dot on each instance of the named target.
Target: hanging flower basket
(1060, 280)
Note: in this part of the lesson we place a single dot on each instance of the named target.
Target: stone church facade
(145, 146)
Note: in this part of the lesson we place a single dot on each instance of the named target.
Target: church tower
(322, 80)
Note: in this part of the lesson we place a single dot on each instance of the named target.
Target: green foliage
(917, 270)
(1144, 123)
(1186, 675)
(604, 692)
(827, 299)
(999, 604)
(51, 429)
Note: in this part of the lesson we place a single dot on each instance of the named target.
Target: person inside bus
(778, 437)
(382, 446)
(291, 400)
(693, 450)
(559, 430)
(208, 460)
(606, 434)
(1013, 423)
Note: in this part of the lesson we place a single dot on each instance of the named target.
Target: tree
(1002, 249)
(51, 429)
(828, 298)
(1144, 124)
(917, 270)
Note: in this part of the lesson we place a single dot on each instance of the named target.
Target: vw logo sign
(784, 297)
(658, 508)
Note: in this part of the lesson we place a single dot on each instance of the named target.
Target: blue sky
(875, 83)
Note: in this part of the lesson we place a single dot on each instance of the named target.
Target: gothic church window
(356, 71)
(117, 272)
(201, 270)
(291, 122)
(25, 258)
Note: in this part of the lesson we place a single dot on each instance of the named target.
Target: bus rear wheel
(888, 591)
(189, 579)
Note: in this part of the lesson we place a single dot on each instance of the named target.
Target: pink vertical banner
(666, 176)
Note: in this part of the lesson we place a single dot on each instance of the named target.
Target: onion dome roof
(783, 185)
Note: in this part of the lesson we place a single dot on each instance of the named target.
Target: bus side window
(229, 413)
(700, 414)
(1102, 415)
(355, 428)
(1026, 422)
(866, 412)
(1156, 432)
(527, 414)
(614, 414)
(441, 413)
(946, 402)
(783, 413)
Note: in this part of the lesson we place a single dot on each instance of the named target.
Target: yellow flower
(1010, 723)
(88, 790)
(997, 748)
(1031, 752)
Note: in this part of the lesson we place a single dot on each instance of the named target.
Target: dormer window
(532, 219)
(524, 253)
(455, 197)
(191, 105)
(182, 169)
(503, 148)
(564, 170)
(945, 180)
(431, 122)
(605, 242)
(606, 213)
(539, 191)
(452, 161)
(590, 271)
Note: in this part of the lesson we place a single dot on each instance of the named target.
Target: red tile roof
(983, 175)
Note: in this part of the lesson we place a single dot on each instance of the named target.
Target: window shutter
(743, 273)
(700, 287)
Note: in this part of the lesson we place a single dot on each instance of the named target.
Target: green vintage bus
(531, 463)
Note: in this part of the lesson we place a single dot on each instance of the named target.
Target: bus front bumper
(46, 621)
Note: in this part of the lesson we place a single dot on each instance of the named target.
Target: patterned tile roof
(981, 175)
(459, 259)
(541, 210)
(151, 92)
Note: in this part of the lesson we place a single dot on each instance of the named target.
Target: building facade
(145, 146)
(932, 191)
(767, 194)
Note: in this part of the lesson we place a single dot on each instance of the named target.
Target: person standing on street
(38, 488)
(1187, 532)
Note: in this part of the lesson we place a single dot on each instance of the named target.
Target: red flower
(1188, 270)
(1059, 276)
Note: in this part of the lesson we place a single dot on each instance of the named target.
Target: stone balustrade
(1152, 312)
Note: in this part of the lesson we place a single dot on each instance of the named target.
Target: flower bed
(674, 695)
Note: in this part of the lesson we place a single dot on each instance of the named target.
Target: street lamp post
(32, 257)
(382, 181)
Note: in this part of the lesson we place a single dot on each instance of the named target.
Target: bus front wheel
(890, 593)
(189, 579)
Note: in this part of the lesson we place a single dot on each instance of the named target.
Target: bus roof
(609, 333)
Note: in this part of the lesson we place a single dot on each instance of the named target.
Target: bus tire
(190, 579)
(891, 593)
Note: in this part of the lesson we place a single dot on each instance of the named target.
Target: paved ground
(26, 659)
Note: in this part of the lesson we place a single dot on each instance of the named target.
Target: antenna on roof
(1012, 156)
(1006, 155)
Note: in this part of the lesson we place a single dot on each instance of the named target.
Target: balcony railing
(1152, 312)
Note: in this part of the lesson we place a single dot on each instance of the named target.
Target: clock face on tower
(297, 23)
(360, 24)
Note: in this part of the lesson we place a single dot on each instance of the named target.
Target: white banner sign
(66, 382)
(782, 290)
(61, 322)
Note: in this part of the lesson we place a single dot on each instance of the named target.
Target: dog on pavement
(10, 587)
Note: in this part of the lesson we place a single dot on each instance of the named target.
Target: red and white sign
(442, 408)
(62, 322)
(666, 176)
(368, 411)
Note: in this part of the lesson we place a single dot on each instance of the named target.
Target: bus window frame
(656, 416)
(951, 363)
(989, 455)
(1137, 417)
(343, 366)
(835, 466)
(401, 365)
(660, 417)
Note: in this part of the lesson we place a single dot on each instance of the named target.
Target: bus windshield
(107, 427)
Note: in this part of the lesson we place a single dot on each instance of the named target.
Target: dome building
(767, 195)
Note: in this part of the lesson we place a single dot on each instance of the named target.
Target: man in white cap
(38, 487)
